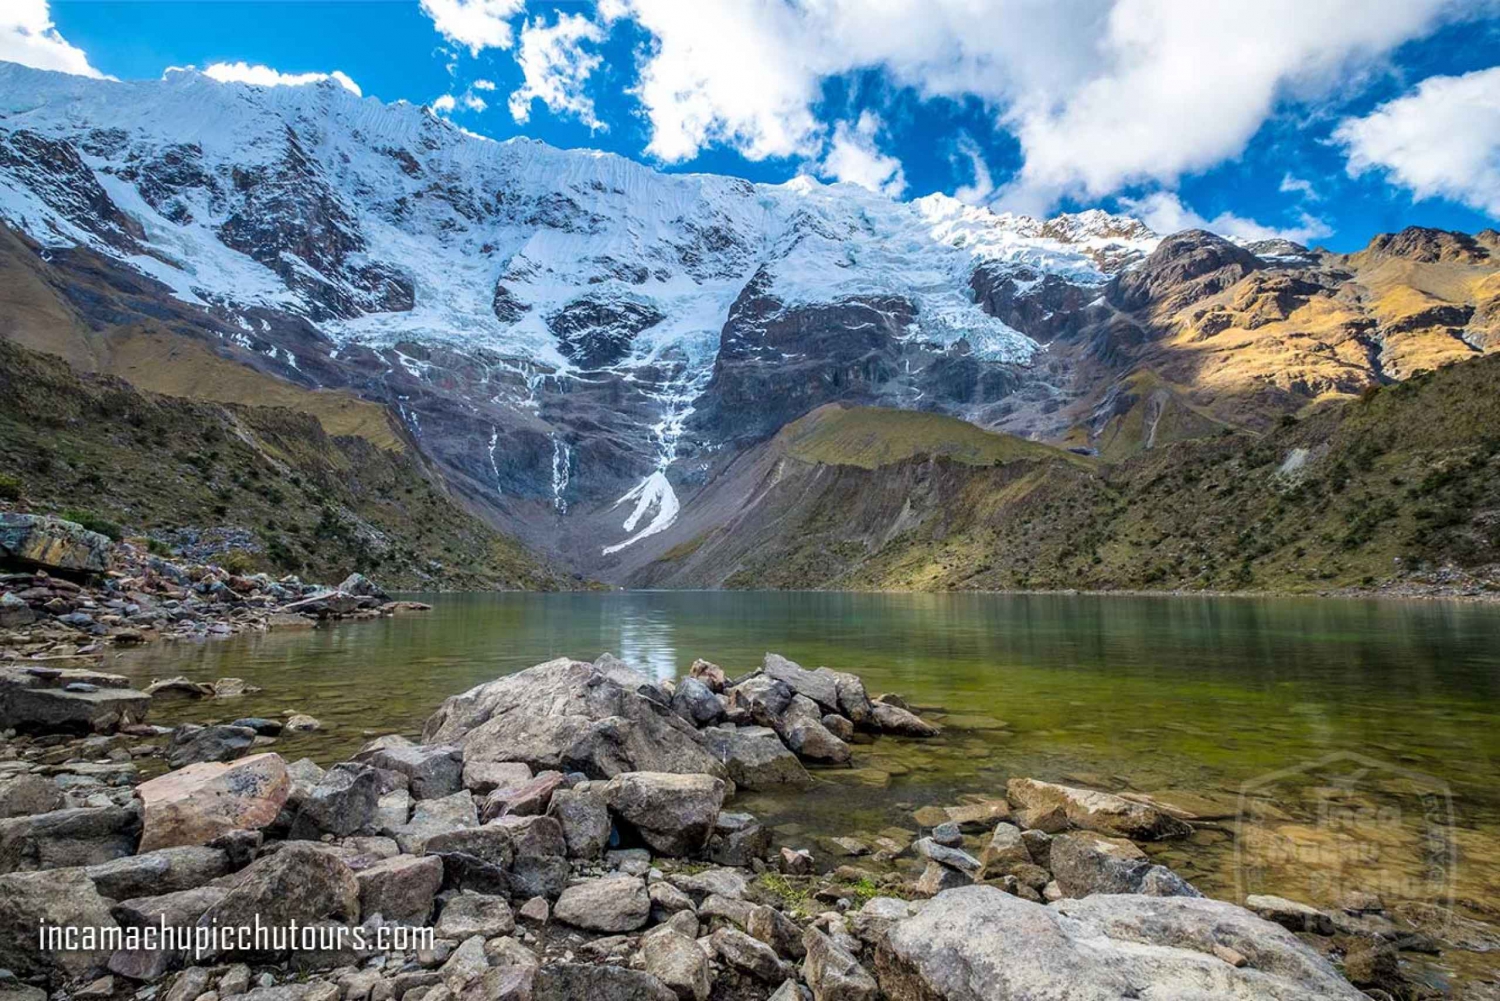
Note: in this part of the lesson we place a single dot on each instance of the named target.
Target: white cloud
(555, 68)
(28, 37)
(474, 102)
(1442, 140)
(484, 84)
(1164, 212)
(475, 24)
(1298, 186)
(854, 157)
(1102, 94)
(445, 104)
(983, 185)
(265, 76)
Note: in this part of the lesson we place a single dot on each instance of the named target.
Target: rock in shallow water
(674, 814)
(1093, 810)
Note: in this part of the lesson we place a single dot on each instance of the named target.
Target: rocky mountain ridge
(583, 345)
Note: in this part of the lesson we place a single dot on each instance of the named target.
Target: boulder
(596, 721)
(491, 844)
(887, 718)
(35, 900)
(1092, 810)
(484, 776)
(802, 729)
(674, 814)
(821, 685)
(526, 800)
(675, 960)
(302, 882)
(833, 973)
(24, 795)
(710, 674)
(539, 876)
(533, 835)
(854, 701)
(180, 909)
(64, 838)
(1084, 863)
(980, 943)
(756, 759)
(749, 955)
(432, 770)
(937, 877)
(1006, 850)
(583, 816)
(50, 543)
(49, 700)
(364, 587)
(776, 930)
(471, 914)
(611, 905)
(839, 726)
(345, 801)
(588, 982)
(400, 889)
(762, 698)
(739, 844)
(165, 870)
(192, 744)
(196, 804)
(696, 702)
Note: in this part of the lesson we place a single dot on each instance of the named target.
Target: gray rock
(475, 914)
(580, 981)
(400, 889)
(1005, 851)
(1092, 810)
(62, 838)
(739, 846)
(763, 699)
(937, 878)
(484, 776)
(953, 858)
(667, 899)
(710, 674)
(887, 718)
(612, 904)
(820, 686)
(871, 922)
(833, 973)
(1290, 914)
(696, 702)
(263, 727)
(166, 870)
(301, 882)
(65, 898)
(392, 810)
(464, 965)
(432, 770)
(1085, 863)
(492, 844)
(595, 722)
(36, 700)
(776, 930)
(949, 835)
(756, 759)
(304, 774)
(533, 835)
(512, 982)
(584, 818)
(840, 727)
(345, 801)
(674, 814)
(749, 955)
(526, 800)
(191, 744)
(539, 876)
(676, 961)
(801, 729)
(982, 944)
(24, 795)
(432, 817)
(180, 909)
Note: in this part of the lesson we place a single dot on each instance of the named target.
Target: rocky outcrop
(45, 700)
(982, 944)
(596, 721)
(52, 544)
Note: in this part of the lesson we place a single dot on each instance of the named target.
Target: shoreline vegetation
(568, 831)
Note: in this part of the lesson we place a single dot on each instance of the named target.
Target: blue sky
(1327, 120)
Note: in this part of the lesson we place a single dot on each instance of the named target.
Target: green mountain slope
(1400, 487)
(267, 481)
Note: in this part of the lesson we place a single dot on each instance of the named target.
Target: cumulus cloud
(853, 157)
(483, 84)
(1102, 94)
(555, 68)
(475, 24)
(28, 37)
(1442, 140)
(445, 104)
(1165, 212)
(1298, 186)
(976, 193)
(265, 76)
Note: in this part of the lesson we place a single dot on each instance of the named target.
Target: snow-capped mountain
(570, 334)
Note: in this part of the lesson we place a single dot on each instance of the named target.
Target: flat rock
(611, 904)
(588, 982)
(53, 543)
(980, 943)
(1084, 863)
(819, 686)
(191, 744)
(1093, 810)
(595, 721)
(196, 804)
(432, 817)
(165, 870)
(674, 814)
(892, 719)
(64, 838)
(471, 914)
(39, 700)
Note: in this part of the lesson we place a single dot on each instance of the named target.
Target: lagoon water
(1364, 734)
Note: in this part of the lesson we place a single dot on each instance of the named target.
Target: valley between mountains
(333, 334)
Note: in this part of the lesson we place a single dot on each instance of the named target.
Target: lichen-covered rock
(53, 544)
(300, 882)
(196, 804)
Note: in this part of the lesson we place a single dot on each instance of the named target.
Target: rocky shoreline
(567, 832)
(79, 592)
